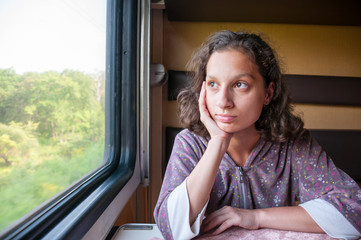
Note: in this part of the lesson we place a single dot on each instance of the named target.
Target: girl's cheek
(209, 104)
(207, 96)
(210, 97)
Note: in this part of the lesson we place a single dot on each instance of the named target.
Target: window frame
(71, 213)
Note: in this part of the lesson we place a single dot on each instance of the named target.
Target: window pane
(52, 61)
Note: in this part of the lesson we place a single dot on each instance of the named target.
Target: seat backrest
(343, 146)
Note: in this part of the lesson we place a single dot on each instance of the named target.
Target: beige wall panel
(302, 49)
(330, 117)
(170, 117)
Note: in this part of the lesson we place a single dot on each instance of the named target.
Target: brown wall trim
(329, 90)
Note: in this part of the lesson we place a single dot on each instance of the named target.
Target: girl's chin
(232, 129)
(227, 128)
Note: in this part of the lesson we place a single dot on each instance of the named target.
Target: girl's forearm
(201, 179)
(293, 218)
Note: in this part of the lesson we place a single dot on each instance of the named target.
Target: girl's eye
(212, 84)
(240, 85)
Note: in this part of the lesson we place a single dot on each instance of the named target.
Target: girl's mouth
(225, 118)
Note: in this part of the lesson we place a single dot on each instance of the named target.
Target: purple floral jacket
(275, 174)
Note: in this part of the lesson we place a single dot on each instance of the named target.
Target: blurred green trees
(51, 134)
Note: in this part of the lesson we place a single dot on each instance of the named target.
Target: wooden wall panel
(302, 49)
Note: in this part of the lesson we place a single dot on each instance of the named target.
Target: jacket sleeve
(319, 178)
(330, 219)
(185, 155)
(178, 214)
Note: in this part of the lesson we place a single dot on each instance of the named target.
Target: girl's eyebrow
(235, 77)
(244, 74)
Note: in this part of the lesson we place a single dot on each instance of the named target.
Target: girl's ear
(269, 93)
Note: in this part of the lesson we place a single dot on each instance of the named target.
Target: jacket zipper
(243, 187)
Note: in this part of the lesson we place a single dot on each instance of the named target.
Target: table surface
(140, 232)
(236, 233)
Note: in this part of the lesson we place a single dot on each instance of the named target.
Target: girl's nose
(224, 98)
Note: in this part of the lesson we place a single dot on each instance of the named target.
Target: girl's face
(235, 91)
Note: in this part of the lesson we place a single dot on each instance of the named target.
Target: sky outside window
(42, 35)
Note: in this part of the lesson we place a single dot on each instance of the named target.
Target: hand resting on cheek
(207, 120)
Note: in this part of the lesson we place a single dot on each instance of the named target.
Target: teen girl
(244, 158)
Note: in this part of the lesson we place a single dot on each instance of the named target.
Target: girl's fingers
(213, 224)
(201, 95)
(215, 219)
(224, 226)
(202, 99)
(213, 215)
(205, 116)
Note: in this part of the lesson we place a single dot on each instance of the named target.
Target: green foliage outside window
(51, 134)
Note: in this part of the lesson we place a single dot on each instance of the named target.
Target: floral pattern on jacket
(275, 174)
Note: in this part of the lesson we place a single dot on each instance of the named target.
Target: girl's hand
(291, 218)
(227, 217)
(206, 118)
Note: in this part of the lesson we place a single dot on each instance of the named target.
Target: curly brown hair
(277, 121)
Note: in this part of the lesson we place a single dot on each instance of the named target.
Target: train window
(52, 99)
(68, 115)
